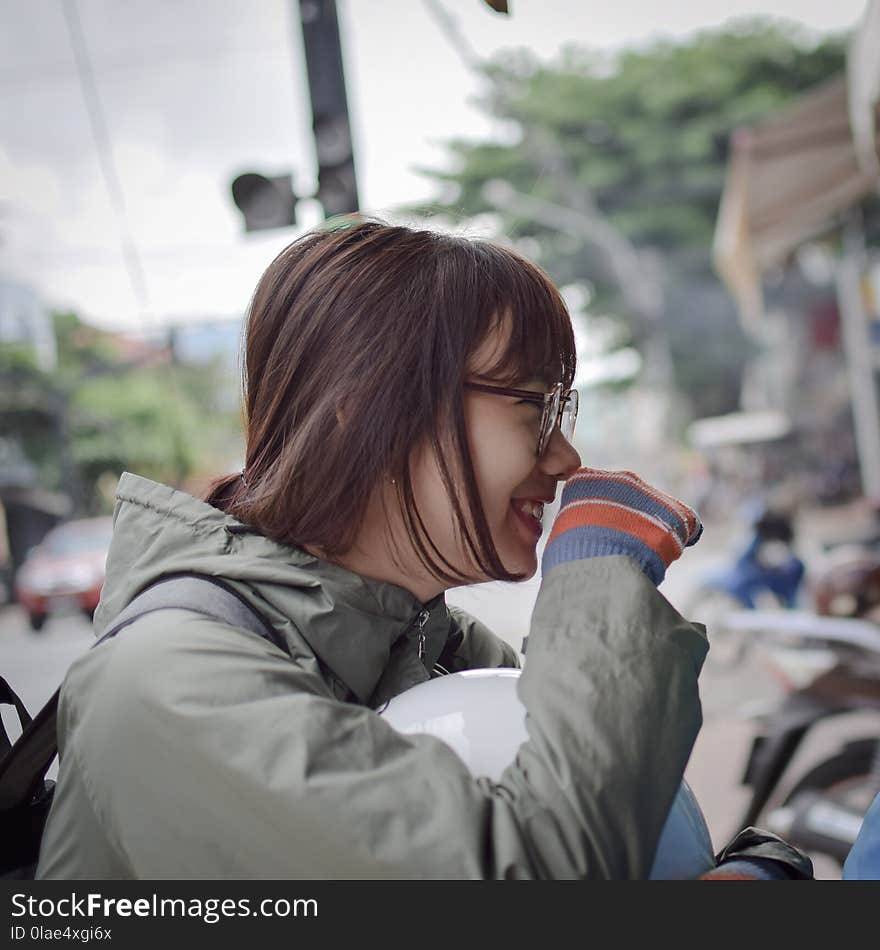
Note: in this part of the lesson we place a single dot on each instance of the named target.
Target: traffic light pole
(337, 183)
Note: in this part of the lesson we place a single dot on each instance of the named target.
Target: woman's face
(513, 482)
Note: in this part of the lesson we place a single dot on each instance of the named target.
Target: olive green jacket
(191, 749)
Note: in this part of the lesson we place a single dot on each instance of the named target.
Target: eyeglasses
(560, 408)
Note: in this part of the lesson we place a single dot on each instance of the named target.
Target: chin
(525, 565)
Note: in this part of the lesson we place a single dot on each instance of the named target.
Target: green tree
(102, 412)
(640, 140)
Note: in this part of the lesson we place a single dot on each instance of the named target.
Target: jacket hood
(350, 622)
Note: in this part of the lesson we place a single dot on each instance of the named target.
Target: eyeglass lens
(569, 415)
(550, 417)
(565, 419)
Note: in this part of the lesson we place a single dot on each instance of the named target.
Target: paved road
(34, 663)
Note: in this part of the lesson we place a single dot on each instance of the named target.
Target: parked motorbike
(828, 667)
(848, 583)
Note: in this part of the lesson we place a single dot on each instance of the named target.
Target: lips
(529, 512)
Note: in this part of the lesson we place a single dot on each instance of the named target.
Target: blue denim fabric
(863, 862)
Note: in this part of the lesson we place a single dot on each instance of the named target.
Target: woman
(409, 409)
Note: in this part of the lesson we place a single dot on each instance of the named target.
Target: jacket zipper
(421, 620)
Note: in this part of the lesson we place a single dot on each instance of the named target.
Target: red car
(65, 571)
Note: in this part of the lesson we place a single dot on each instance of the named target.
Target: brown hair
(356, 349)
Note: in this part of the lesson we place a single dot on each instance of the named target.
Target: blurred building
(27, 511)
(801, 177)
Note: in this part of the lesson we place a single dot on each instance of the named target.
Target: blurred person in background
(409, 412)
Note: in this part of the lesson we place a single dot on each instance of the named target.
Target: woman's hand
(606, 513)
(757, 855)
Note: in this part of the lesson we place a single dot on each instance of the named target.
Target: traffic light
(265, 202)
(337, 182)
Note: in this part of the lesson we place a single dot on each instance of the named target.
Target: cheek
(503, 457)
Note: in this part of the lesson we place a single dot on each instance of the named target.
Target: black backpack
(25, 792)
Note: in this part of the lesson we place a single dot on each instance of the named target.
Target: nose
(560, 458)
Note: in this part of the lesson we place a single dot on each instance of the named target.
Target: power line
(167, 391)
(449, 25)
(130, 255)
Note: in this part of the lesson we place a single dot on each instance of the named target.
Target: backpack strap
(24, 766)
(200, 594)
(8, 697)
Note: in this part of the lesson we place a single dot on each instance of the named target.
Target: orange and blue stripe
(607, 513)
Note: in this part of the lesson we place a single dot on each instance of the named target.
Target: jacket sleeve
(252, 770)
(473, 646)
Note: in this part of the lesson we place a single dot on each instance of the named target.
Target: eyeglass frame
(545, 400)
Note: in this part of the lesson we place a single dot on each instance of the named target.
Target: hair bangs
(539, 339)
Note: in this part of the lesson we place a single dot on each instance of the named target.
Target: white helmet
(478, 714)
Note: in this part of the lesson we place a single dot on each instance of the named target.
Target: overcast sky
(194, 91)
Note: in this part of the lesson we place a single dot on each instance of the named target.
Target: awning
(788, 178)
(738, 428)
(863, 78)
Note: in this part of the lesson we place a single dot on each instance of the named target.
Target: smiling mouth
(530, 513)
(534, 509)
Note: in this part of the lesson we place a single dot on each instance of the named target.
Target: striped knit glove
(605, 513)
